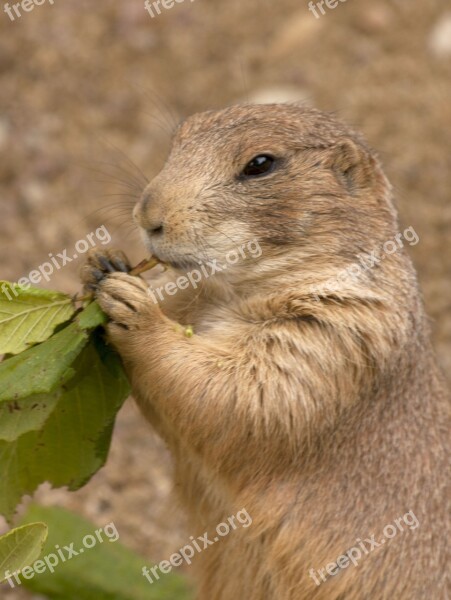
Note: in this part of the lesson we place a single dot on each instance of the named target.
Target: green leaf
(108, 571)
(91, 317)
(20, 547)
(30, 316)
(74, 441)
(30, 414)
(43, 368)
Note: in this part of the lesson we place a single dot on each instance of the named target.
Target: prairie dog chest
(190, 302)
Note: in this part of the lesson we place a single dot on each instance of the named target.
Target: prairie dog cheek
(227, 238)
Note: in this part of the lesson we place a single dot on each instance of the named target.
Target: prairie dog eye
(259, 165)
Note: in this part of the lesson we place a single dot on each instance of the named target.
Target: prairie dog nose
(147, 215)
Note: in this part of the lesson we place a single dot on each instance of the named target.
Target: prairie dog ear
(353, 164)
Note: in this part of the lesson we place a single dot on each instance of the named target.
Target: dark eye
(260, 165)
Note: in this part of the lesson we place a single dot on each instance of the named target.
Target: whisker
(120, 184)
(129, 198)
(139, 183)
(166, 116)
(143, 178)
(112, 176)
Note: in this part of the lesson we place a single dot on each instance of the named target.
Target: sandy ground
(85, 87)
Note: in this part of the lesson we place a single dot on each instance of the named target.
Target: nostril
(157, 230)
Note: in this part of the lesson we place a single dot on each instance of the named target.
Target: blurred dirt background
(87, 87)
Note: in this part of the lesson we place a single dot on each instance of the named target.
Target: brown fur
(325, 419)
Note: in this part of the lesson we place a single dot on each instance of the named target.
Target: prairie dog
(317, 407)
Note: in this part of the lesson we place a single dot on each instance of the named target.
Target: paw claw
(97, 274)
(100, 264)
(106, 264)
(122, 266)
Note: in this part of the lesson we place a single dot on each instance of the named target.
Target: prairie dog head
(291, 178)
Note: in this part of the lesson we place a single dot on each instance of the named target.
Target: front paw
(124, 298)
(126, 301)
(99, 264)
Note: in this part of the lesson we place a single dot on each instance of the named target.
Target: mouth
(168, 257)
(179, 263)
